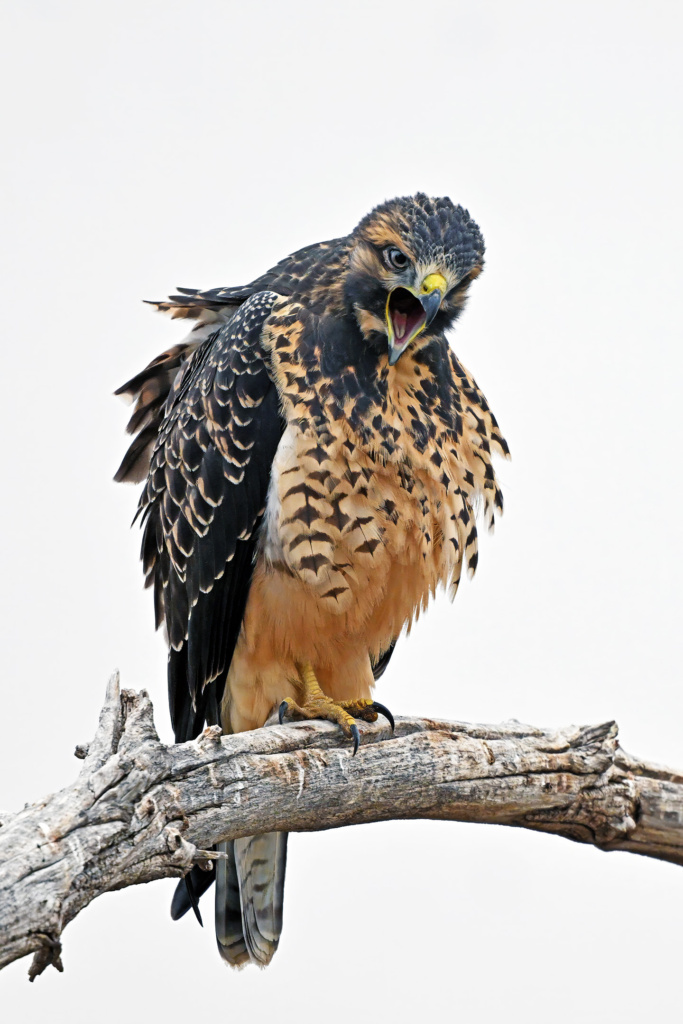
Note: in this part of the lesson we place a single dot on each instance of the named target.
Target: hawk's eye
(396, 259)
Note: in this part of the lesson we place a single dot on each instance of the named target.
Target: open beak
(410, 311)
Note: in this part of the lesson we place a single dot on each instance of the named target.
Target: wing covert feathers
(202, 504)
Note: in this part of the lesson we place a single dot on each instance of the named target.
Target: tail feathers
(261, 863)
(229, 931)
(249, 898)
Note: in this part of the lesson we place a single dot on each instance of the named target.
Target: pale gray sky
(149, 145)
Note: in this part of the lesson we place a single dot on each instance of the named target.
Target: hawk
(312, 454)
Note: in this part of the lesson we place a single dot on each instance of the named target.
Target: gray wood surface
(141, 810)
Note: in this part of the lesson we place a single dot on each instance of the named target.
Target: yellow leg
(316, 704)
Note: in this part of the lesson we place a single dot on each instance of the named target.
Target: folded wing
(203, 502)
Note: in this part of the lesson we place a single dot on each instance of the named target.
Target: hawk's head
(410, 264)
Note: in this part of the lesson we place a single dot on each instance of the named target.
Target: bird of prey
(313, 454)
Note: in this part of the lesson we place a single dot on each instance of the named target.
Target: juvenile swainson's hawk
(313, 454)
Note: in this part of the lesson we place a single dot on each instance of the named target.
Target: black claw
(282, 711)
(381, 710)
(356, 739)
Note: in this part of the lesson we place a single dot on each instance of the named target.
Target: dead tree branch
(141, 810)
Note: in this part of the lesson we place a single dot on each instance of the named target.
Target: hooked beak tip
(431, 304)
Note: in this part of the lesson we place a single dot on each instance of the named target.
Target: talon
(380, 709)
(356, 739)
(282, 711)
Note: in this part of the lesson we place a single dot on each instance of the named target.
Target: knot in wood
(146, 808)
(174, 840)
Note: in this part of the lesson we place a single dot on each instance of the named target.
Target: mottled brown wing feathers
(315, 267)
(213, 305)
(149, 390)
(202, 506)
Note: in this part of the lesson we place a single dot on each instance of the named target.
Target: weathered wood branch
(141, 810)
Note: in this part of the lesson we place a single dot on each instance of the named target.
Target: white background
(149, 145)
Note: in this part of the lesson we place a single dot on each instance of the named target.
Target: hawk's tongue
(400, 320)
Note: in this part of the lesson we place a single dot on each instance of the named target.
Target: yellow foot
(316, 704)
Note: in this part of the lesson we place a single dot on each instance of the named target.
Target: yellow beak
(432, 282)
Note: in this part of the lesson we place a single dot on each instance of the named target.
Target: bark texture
(141, 810)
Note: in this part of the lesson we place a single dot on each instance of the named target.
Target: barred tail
(250, 884)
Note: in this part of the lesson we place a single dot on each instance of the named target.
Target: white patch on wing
(206, 326)
(272, 541)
